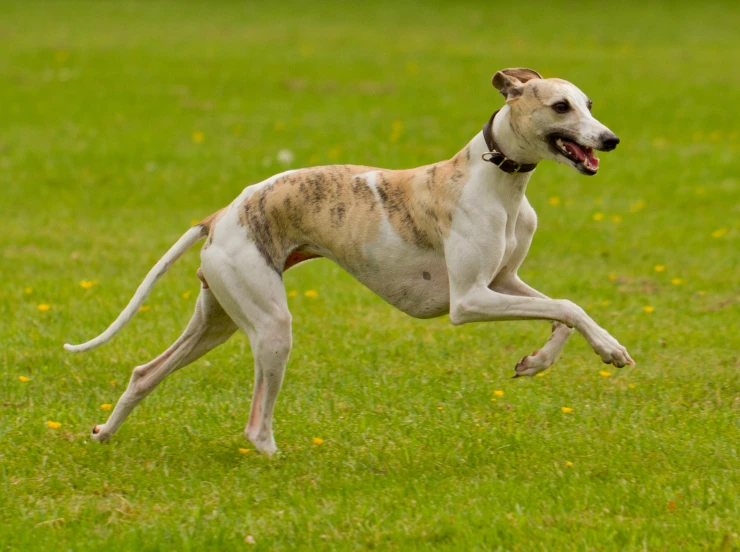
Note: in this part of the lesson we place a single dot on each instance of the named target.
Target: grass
(122, 122)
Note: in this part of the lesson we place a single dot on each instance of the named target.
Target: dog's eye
(590, 105)
(561, 107)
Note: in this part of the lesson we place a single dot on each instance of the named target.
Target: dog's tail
(190, 238)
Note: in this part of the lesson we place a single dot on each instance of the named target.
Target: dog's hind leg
(209, 327)
(545, 357)
(252, 293)
(271, 347)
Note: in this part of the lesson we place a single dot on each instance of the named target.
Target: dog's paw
(610, 350)
(263, 443)
(98, 434)
(533, 364)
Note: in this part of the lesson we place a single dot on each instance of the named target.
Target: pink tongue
(575, 149)
(584, 155)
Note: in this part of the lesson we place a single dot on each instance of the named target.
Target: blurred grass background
(122, 122)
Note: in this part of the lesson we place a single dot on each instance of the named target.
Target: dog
(446, 238)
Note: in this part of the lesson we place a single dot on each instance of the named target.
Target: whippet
(446, 238)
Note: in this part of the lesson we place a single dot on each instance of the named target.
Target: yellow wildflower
(568, 464)
(198, 136)
(498, 393)
(554, 201)
(637, 206)
(493, 400)
(292, 293)
(87, 284)
(144, 308)
(244, 451)
(566, 409)
(648, 309)
(605, 373)
(43, 307)
(612, 277)
(440, 407)
(720, 232)
(659, 268)
(317, 440)
(28, 291)
(598, 216)
(106, 406)
(187, 294)
(677, 281)
(24, 379)
(53, 425)
(631, 385)
(616, 219)
(311, 293)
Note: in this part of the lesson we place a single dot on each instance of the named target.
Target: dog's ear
(510, 82)
(522, 74)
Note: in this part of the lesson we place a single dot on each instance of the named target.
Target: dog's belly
(411, 280)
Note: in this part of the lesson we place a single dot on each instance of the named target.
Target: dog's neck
(509, 142)
(511, 146)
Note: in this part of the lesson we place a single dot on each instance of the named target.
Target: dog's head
(553, 117)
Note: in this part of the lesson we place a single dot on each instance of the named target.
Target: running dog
(447, 238)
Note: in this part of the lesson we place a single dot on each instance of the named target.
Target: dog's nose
(609, 142)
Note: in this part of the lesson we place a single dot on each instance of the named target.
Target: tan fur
(420, 202)
(333, 209)
(319, 208)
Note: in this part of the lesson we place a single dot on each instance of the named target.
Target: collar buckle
(497, 158)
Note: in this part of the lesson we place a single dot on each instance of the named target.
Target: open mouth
(582, 157)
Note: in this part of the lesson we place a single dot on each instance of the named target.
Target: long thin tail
(190, 238)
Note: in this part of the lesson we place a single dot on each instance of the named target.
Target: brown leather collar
(495, 156)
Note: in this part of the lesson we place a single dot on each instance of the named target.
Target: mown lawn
(122, 122)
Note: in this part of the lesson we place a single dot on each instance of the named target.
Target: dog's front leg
(546, 356)
(472, 301)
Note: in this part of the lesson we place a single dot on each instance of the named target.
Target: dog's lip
(581, 156)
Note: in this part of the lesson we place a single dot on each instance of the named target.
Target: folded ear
(510, 82)
(522, 74)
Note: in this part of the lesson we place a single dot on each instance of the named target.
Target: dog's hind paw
(98, 435)
(533, 364)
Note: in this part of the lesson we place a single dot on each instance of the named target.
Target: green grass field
(122, 122)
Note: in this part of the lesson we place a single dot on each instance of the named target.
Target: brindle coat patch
(333, 209)
(420, 202)
(316, 209)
